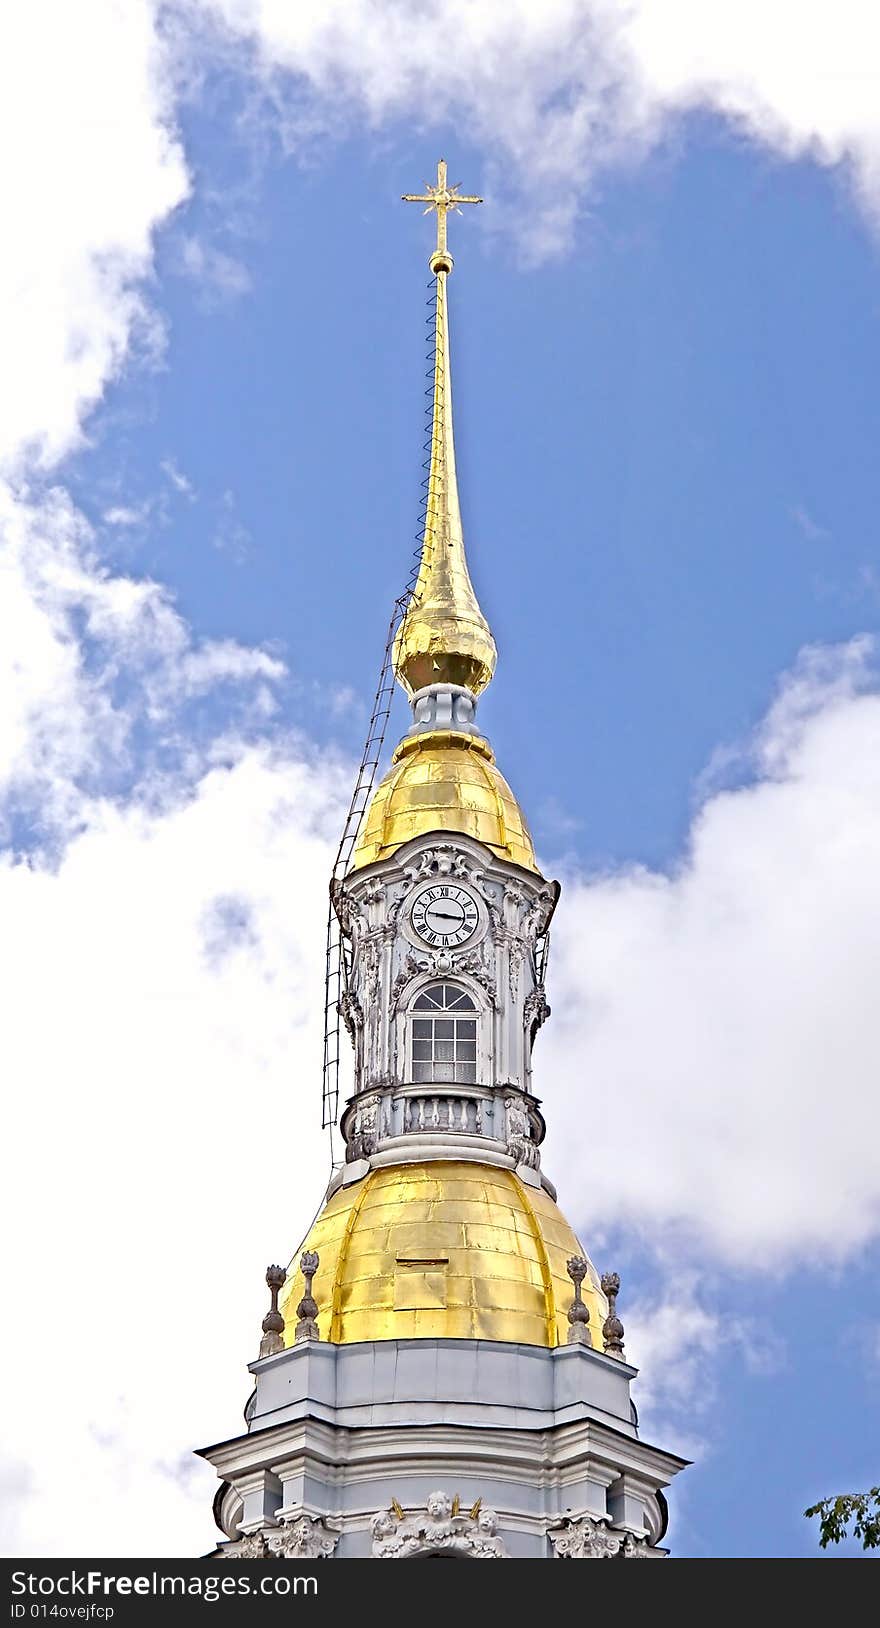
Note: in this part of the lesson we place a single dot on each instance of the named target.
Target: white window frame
(480, 1013)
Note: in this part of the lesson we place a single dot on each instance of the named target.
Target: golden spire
(444, 636)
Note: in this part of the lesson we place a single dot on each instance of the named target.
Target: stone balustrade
(430, 1109)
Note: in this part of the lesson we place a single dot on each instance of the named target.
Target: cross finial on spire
(442, 198)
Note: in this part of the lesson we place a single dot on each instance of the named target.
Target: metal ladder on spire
(337, 965)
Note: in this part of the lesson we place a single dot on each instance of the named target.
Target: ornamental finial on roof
(612, 1328)
(273, 1322)
(307, 1310)
(578, 1313)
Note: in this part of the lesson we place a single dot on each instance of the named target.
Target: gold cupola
(443, 778)
(444, 781)
(442, 1250)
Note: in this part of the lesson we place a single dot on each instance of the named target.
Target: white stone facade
(358, 1450)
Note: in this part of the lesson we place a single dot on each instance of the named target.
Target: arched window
(444, 1035)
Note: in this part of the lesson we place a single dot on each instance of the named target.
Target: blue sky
(666, 418)
(666, 444)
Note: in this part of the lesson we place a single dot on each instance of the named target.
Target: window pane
(422, 1051)
(458, 998)
(466, 1072)
(466, 1029)
(466, 1051)
(443, 1071)
(422, 1028)
(443, 1051)
(421, 1071)
(429, 998)
(444, 1028)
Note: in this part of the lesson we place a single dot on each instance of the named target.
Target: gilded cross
(442, 198)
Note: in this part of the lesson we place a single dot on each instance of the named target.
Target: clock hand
(445, 915)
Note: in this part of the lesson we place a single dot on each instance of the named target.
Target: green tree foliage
(835, 1515)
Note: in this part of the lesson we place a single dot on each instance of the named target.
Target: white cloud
(87, 657)
(675, 1342)
(218, 276)
(178, 479)
(808, 525)
(800, 76)
(160, 1046)
(123, 515)
(135, 1018)
(676, 1338)
(723, 1017)
(230, 535)
(92, 166)
(162, 894)
(555, 91)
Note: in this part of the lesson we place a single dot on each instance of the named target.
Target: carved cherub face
(487, 1523)
(383, 1525)
(439, 1506)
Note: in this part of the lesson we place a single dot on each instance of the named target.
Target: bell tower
(442, 1369)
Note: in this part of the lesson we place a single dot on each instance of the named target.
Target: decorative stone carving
(368, 985)
(485, 1543)
(442, 963)
(475, 963)
(437, 1525)
(578, 1313)
(519, 1133)
(515, 952)
(273, 1322)
(388, 1540)
(251, 1547)
(634, 1548)
(537, 918)
(440, 1528)
(307, 1310)
(352, 916)
(495, 921)
(303, 1538)
(363, 1134)
(370, 972)
(612, 1328)
(300, 1537)
(513, 895)
(535, 1010)
(584, 1539)
(352, 1015)
(447, 861)
(341, 903)
(407, 972)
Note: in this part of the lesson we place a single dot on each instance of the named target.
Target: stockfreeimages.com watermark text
(38, 1595)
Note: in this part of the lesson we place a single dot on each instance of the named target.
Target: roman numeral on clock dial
(445, 915)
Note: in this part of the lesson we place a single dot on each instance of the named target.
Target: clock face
(445, 915)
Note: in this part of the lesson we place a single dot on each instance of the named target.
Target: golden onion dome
(442, 1250)
(444, 780)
